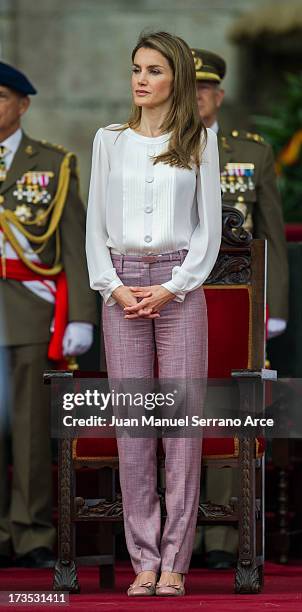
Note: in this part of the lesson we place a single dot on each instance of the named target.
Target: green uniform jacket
(259, 200)
(27, 317)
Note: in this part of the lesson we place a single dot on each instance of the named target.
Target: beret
(14, 79)
(208, 66)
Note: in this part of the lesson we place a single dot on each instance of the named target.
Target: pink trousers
(179, 338)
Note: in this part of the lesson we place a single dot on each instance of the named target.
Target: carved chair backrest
(235, 294)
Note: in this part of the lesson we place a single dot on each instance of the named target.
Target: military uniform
(248, 182)
(39, 204)
(33, 160)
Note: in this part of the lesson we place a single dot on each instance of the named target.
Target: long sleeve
(102, 274)
(206, 238)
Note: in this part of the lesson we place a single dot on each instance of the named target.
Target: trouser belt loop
(121, 262)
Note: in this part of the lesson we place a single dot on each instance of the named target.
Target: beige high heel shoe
(146, 589)
(170, 589)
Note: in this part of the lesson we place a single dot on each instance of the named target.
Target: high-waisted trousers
(179, 339)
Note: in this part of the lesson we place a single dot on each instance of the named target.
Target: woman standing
(153, 236)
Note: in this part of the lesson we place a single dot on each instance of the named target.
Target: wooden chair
(235, 294)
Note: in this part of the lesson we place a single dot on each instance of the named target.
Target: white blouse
(137, 208)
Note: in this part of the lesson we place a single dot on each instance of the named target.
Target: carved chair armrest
(262, 374)
(49, 375)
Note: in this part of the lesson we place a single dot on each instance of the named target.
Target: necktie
(3, 169)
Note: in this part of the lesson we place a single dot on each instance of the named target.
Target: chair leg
(248, 573)
(65, 573)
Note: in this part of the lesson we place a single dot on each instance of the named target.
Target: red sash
(15, 269)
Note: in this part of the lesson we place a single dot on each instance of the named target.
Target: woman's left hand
(148, 307)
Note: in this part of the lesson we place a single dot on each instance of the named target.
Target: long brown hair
(183, 119)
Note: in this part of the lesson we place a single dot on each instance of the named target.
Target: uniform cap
(208, 66)
(16, 80)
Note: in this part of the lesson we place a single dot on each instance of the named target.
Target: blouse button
(150, 179)
(148, 209)
(148, 238)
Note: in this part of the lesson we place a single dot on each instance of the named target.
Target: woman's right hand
(124, 297)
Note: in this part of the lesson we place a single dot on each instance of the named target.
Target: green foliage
(278, 129)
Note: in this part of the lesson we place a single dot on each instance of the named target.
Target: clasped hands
(142, 302)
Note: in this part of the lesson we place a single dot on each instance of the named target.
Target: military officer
(48, 311)
(248, 182)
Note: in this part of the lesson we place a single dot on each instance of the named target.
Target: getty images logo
(100, 400)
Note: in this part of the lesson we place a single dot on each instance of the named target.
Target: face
(12, 107)
(152, 79)
(209, 99)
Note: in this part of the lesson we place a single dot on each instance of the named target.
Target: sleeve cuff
(106, 293)
(179, 295)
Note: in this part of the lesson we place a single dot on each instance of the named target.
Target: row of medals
(32, 187)
(237, 177)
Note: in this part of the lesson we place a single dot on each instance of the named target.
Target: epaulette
(251, 136)
(54, 147)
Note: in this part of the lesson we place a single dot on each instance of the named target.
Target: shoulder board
(53, 147)
(251, 136)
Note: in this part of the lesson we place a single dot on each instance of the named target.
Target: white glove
(275, 327)
(78, 338)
